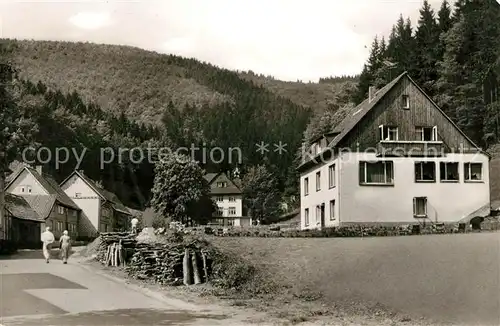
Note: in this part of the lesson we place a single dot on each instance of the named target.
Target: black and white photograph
(228, 162)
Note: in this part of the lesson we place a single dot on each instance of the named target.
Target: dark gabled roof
(103, 193)
(20, 208)
(49, 184)
(359, 112)
(232, 189)
(210, 177)
(42, 204)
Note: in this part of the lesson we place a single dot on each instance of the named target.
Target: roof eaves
(352, 121)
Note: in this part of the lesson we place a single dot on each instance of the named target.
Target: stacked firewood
(170, 263)
(109, 247)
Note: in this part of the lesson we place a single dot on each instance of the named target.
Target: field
(447, 279)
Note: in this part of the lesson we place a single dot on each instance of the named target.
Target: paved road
(36, 293)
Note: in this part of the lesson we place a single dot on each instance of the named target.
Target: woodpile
(170, 263)
(109, 251)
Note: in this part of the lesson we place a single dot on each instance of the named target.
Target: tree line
(453, 53)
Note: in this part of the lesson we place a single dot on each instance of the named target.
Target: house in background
(395, 159)
(46, 198)
(229, 199)
(102, 210)
(23, 224)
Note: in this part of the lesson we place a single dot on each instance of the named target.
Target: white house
(46, 198)
(395, 159)
(102, 211)
(229, 200)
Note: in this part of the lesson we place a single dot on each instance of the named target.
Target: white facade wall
(225, 204)
(446, 201)
(356, 203)
(25, 180)
(322, 197)
(88, 201)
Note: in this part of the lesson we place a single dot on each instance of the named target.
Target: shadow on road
(124, 317)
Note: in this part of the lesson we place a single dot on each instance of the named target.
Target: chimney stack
(39, 169)
(371, 93)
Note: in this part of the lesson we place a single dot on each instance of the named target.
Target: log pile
(108, 252)
(170, 263)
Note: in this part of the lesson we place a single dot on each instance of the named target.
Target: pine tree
(426, 53)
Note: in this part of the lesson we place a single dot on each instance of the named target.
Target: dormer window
(388, 133)
(405, 101)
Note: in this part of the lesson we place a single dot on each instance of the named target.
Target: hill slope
(140, 83)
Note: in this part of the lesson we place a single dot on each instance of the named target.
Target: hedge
(343, 232)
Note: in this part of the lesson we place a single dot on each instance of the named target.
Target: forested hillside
(84, 95)
(140, 83)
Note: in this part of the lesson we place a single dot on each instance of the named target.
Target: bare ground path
(36, 293)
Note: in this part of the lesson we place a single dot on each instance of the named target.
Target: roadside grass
(417, 280)
(413, 280)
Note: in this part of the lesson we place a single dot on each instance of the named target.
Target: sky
(288, 39)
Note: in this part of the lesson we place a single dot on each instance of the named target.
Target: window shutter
(434, 133)
(425, 205)
(414, 206)
(362, 172)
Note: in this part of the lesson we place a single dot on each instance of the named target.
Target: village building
(46, 198)
(102, 210)
(395, 159)
(229, 200)
(22, 223)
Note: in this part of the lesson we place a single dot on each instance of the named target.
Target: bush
(229, 271)
(340, 232)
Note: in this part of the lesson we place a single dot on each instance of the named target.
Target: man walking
(47, 239)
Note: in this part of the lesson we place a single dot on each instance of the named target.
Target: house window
(318, 213)
(306, 186)
(232, 199)
(448, 171)
(75, 213)
(427, 133)
(306, 216)
(318, 181)
(381, 172)
(28, 189)
(222, 184)
(405, 101)
(332, 210)
(230, 222)
(220, 198)
(388, 133)
(60, 226)
(60, 209)
(220, 211)
(420, 207)
(473, 171)
(22, 189)
(232, 211)
(78, 195)
(425, 171)
(331, 176)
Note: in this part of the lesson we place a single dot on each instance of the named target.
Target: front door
(322, 215)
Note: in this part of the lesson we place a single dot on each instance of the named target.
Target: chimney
(371, 93)
(39, 169)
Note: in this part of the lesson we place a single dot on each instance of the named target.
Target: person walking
(134, 223)
(47, 239)
(65, 245)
